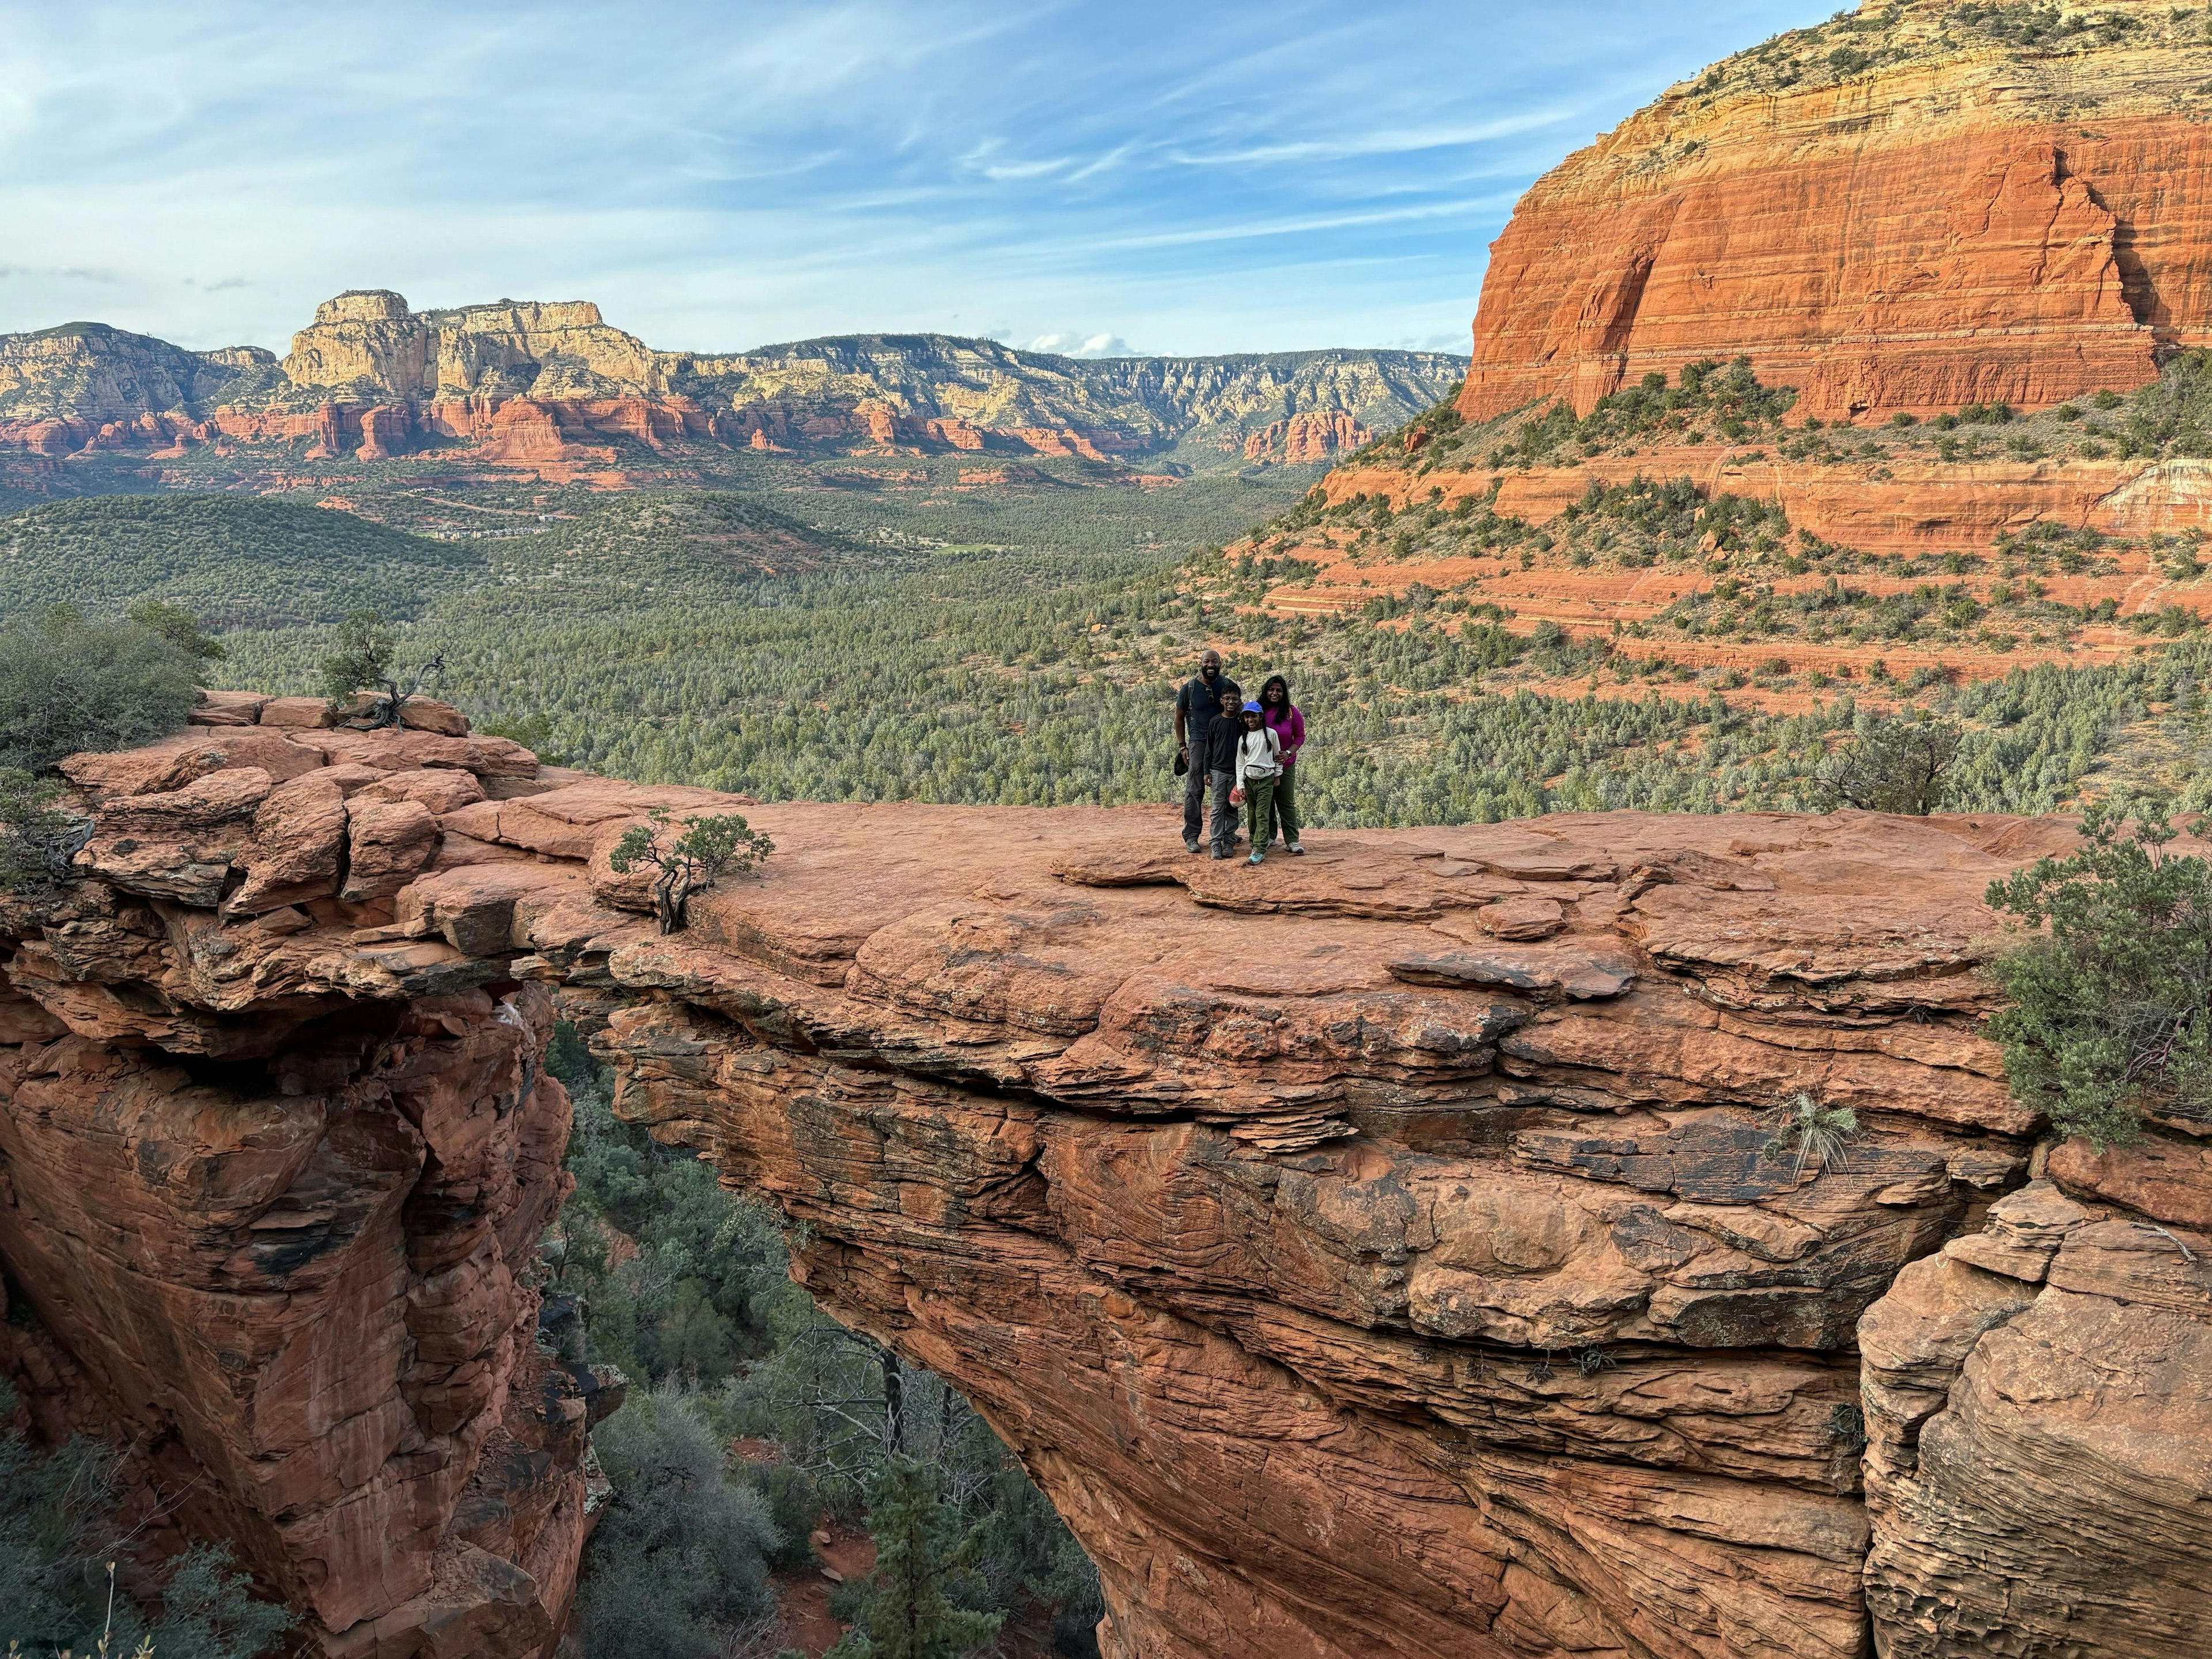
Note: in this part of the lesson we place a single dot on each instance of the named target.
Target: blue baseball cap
(1254, 708)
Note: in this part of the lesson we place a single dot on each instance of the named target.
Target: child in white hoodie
(1259, 765)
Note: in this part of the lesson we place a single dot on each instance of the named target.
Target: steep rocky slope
(525, 383)
(1379, 1254)
(279, 1242)
(1920, 204)
(90, 372)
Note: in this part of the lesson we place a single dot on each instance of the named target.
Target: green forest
(714, 639)
(1021, 649)
(653, 1268)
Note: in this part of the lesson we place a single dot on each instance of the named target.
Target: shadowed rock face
(1376, 1253)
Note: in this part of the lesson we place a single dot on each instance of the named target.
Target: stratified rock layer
(1921, 206)
(533, 384)
(2035, 1397)
(1379, 1253)
(279, 1237)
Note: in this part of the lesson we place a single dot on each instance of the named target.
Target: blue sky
(1133, 177)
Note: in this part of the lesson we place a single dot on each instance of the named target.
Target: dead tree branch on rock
(361, 658)
(38, 844)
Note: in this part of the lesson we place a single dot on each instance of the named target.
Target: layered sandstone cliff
(279, 1232)
(1381, 1253)
(370, 340)
(527, 382)
(1917, 206)
(1305, 438)
(91, 373)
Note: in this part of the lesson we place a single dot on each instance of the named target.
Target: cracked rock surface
(1384, 1253)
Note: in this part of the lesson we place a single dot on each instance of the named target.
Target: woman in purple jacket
(1289, 726)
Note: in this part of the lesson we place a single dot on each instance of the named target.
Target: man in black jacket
(1198, 705)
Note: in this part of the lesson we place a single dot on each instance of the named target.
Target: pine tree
(920, 1553)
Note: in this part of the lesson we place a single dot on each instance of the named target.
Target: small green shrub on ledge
(1809, 1136)
(67, 683)
(708, 849)
(2110, 1018)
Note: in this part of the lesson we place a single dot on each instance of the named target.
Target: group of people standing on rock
(1245, 753)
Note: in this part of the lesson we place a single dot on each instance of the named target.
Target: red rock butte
(552, 387)
(1920, 206)
(1377, 1253)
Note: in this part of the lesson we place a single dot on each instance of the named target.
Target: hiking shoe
(1192, 847)
(1220, 853)
(1297, 851)
(1257, 858)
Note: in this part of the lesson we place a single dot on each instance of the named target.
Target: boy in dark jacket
(1222, 738)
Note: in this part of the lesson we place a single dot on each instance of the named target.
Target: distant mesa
(551, 385)
(369, 340)
(1905, 209)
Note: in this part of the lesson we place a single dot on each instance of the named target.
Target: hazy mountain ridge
(990, 384)
(436, 376)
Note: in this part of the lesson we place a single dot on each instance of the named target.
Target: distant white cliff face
(369, 347)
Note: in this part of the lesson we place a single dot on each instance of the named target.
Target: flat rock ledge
(1376, 1253)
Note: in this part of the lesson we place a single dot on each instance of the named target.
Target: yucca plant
(1810, 1134)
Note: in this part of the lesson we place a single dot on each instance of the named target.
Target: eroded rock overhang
(1376, 1253)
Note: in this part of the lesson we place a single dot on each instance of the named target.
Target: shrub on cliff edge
(708, 849)
(36, 842)
(69, 684)
(363, 647)
(1892, 764)
(2110, 1018)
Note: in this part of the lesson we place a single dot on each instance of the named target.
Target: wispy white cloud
(1233, 177)
(1076, 343)
(985, 160)
(95, 274)
(1382, 142)
(1302, 225)
(1106, 163)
